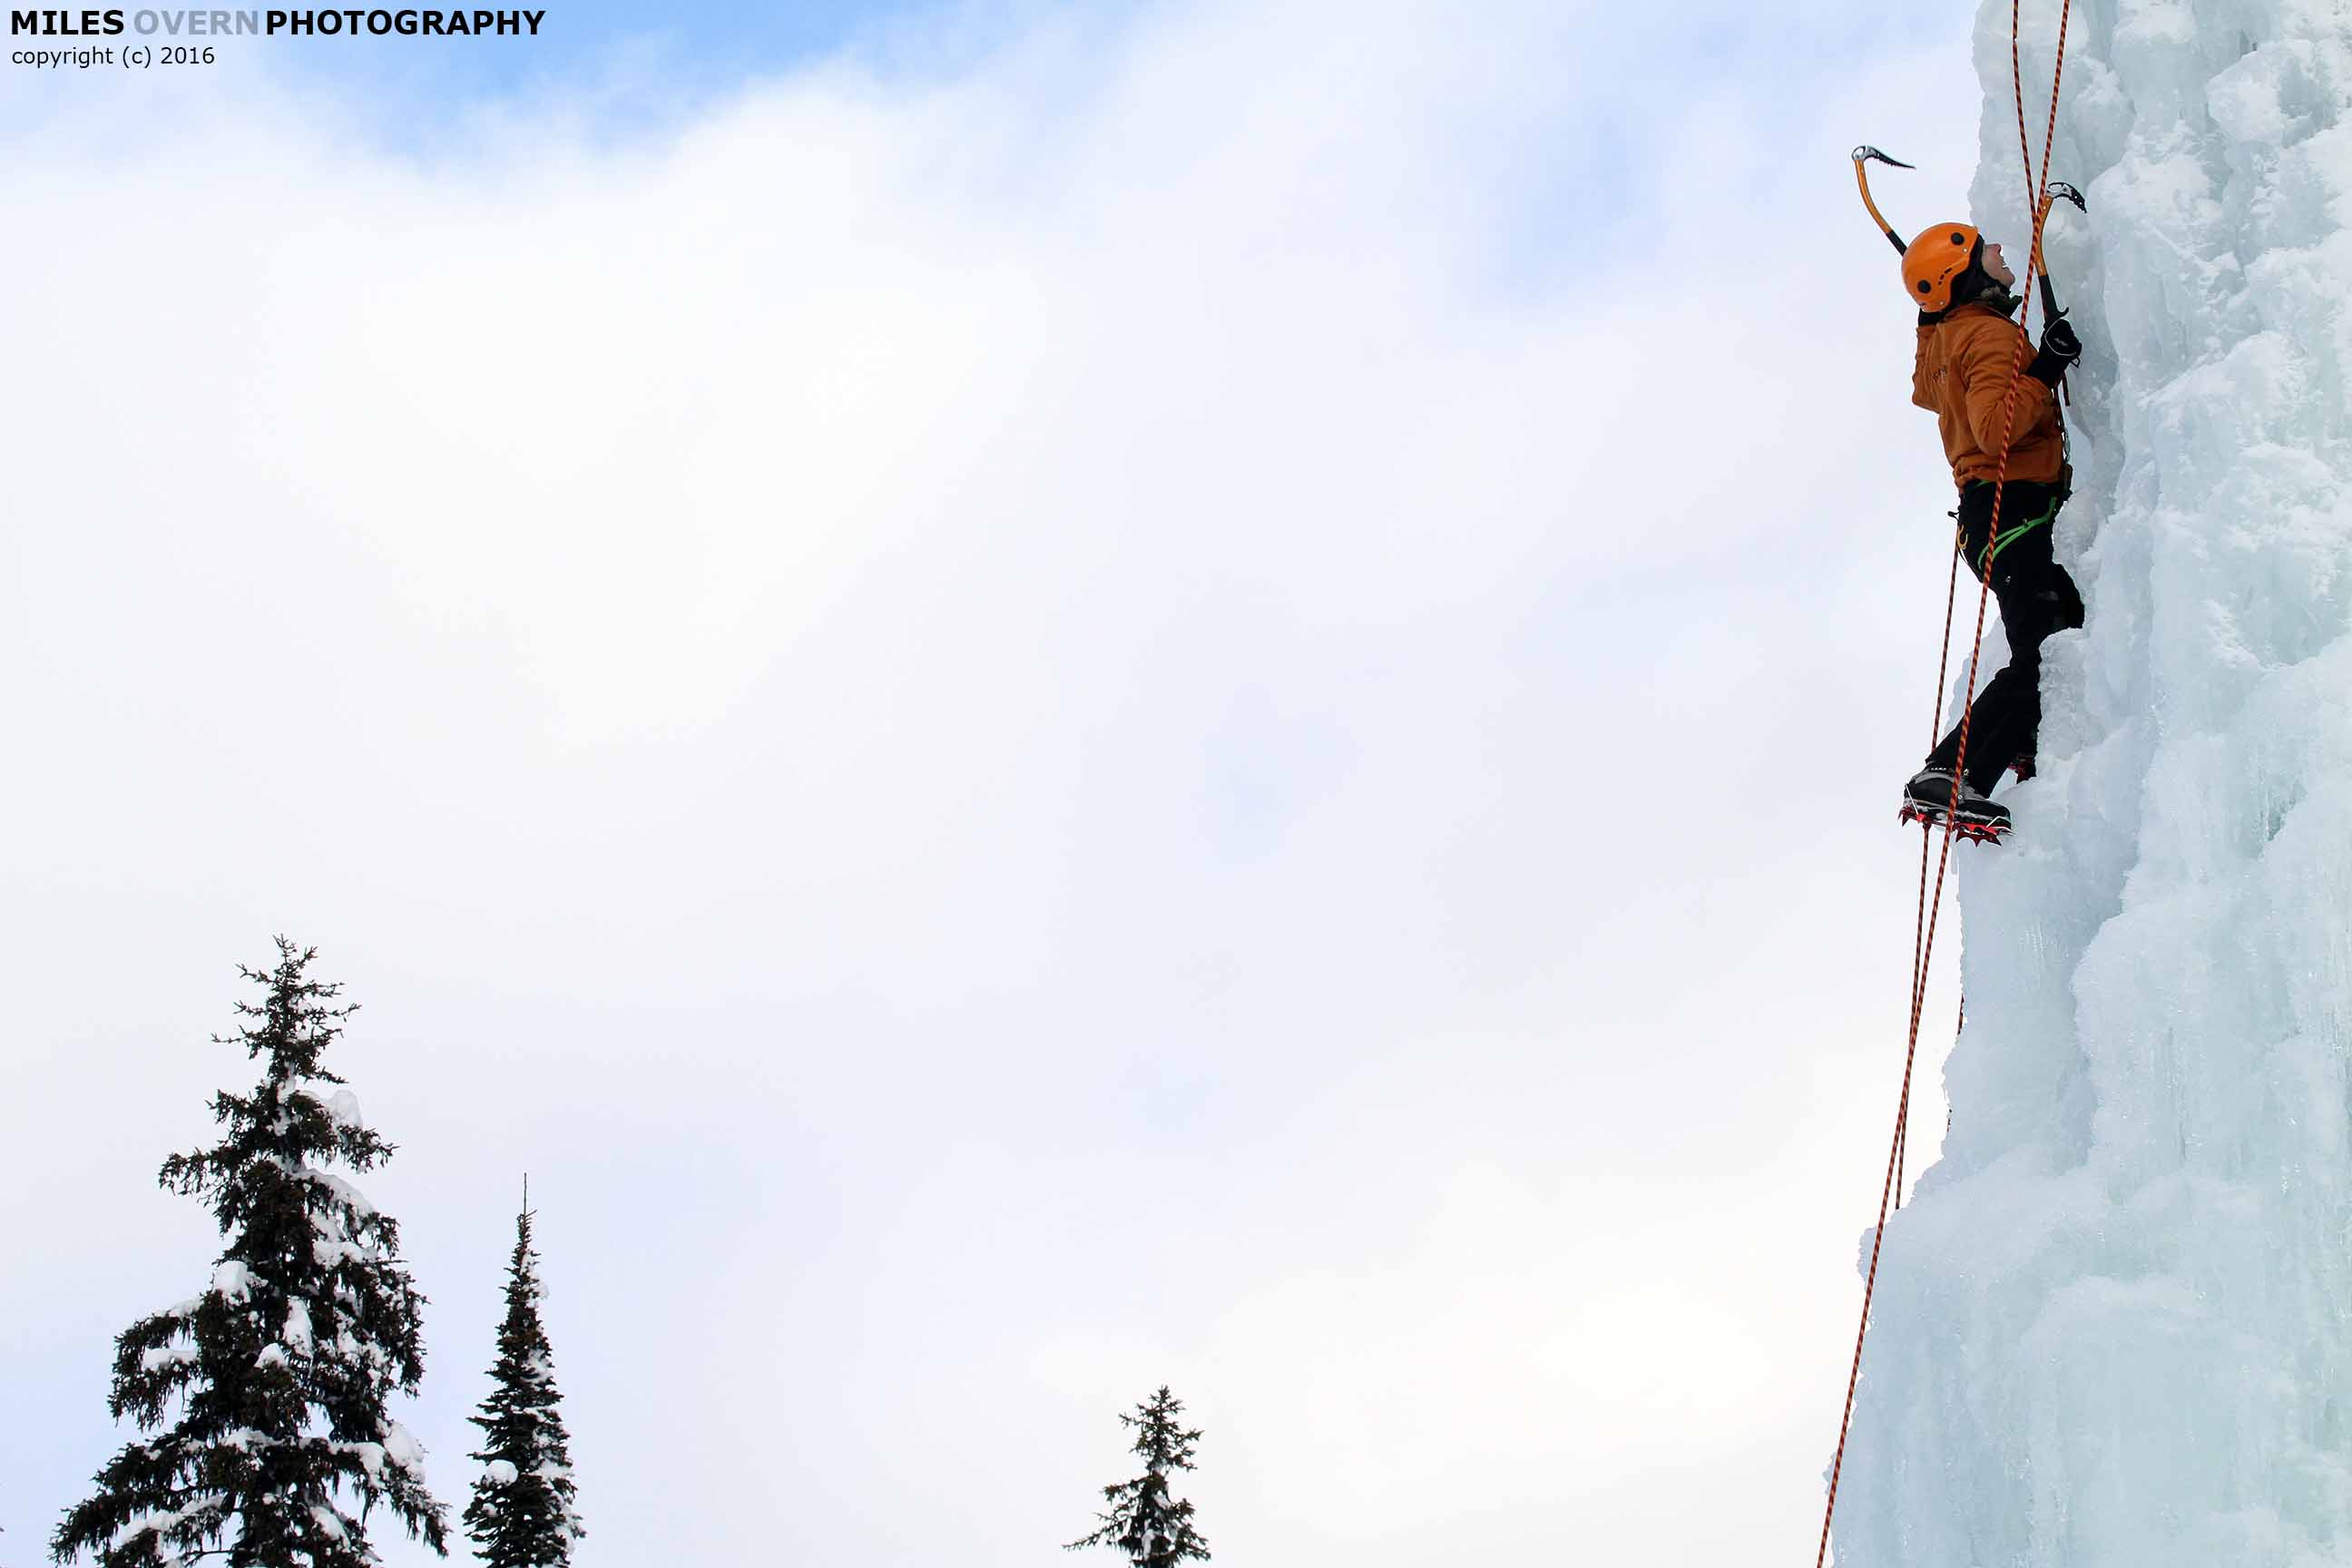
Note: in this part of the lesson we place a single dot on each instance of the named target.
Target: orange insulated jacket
(1962, 377)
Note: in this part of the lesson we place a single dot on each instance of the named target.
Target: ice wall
(2114, 1326)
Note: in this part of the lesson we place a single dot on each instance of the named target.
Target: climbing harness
(1930, 909)
(2003, 538)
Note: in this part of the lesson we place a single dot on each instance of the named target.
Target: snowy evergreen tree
(1143, 1522)
(279, 1370)
(522, 1513)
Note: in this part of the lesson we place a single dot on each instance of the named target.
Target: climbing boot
(1929, 797)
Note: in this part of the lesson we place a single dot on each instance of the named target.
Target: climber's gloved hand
(2060, 349)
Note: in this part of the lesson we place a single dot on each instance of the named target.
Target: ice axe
(1863, 157)
(2055, 191)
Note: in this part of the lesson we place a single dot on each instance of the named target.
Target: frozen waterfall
(2114, 1326)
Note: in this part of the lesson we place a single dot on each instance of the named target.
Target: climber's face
(1996, 268)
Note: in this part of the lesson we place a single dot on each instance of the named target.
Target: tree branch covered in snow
(524, 1512)
(281, 1370)
(1154, 1530)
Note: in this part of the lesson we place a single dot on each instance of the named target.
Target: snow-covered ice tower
(2114, 1326)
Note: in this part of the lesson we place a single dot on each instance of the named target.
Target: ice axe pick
(1864, 156)
(2054, 190)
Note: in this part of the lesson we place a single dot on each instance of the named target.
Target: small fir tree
(281, 1370)
(523, 1514)
(1143, 1522)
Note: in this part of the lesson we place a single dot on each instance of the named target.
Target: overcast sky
(1035, 700)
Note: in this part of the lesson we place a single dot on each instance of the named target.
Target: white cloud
(1091, 720)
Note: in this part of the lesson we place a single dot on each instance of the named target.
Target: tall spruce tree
(523, 1514)
(1154, 1530)
(281, 1369)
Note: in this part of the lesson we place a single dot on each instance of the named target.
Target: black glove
(2060, 349)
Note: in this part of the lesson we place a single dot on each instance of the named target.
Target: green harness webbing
(2002, 540)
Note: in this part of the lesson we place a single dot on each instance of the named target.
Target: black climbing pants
(2037, 597)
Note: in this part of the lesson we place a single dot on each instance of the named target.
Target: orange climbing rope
(1931, 906)
(1903, 1132)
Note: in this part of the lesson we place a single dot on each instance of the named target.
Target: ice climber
(1967, 355)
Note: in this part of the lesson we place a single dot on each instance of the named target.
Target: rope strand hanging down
(1924, 942)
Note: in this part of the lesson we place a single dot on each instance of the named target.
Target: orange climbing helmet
(1935, 260)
